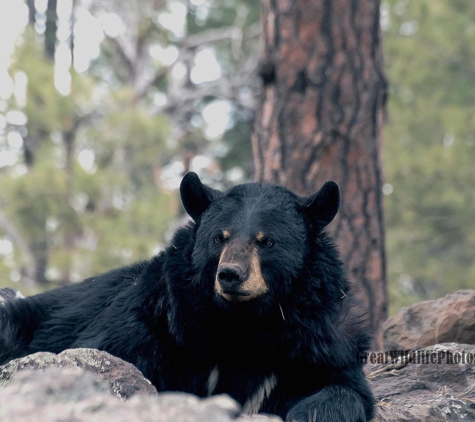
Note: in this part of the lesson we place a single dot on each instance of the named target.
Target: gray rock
(417, 389)
(445, 320)
(73, 394)
(123, 378)
(85, 385)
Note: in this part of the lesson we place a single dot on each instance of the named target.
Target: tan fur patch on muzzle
(253, 287)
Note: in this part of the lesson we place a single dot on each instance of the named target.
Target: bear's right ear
(195, 196)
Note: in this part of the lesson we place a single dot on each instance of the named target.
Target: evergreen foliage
(429, 153)
(80, 216)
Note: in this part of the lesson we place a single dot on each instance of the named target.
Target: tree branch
(125, 59)
(220, 34)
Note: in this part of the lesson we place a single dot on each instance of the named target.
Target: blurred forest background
(104, 104)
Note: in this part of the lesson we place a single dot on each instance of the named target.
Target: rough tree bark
(320, 118)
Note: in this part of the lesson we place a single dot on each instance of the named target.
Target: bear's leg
(332, 404)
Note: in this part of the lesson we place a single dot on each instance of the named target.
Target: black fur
(165, 317)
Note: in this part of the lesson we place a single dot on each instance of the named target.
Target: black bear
(249, 299)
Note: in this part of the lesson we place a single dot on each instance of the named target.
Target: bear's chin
(257, 305)
(239, 295)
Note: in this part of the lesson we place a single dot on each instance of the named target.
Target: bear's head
(253, 240)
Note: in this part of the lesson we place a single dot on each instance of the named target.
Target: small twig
(385, 402)
(282, 312)
(392, 367)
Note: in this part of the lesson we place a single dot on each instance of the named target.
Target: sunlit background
(99, 123)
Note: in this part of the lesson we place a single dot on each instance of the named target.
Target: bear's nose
(230, 276)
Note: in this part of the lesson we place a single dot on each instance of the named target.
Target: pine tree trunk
(72, 38)
(51, 28)
(31, 12)
(320, 118)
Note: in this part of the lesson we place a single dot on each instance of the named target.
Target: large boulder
(433, 384)
(123, 378)
(74, 394)
(90, 385)
(449, 319)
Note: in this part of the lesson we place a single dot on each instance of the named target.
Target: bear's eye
(222, 238)
(265, 242)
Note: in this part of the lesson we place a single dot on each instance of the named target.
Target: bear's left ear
(323, 205)
(195, 196)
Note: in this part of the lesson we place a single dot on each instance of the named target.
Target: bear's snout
(239, 277)
(231, 276)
